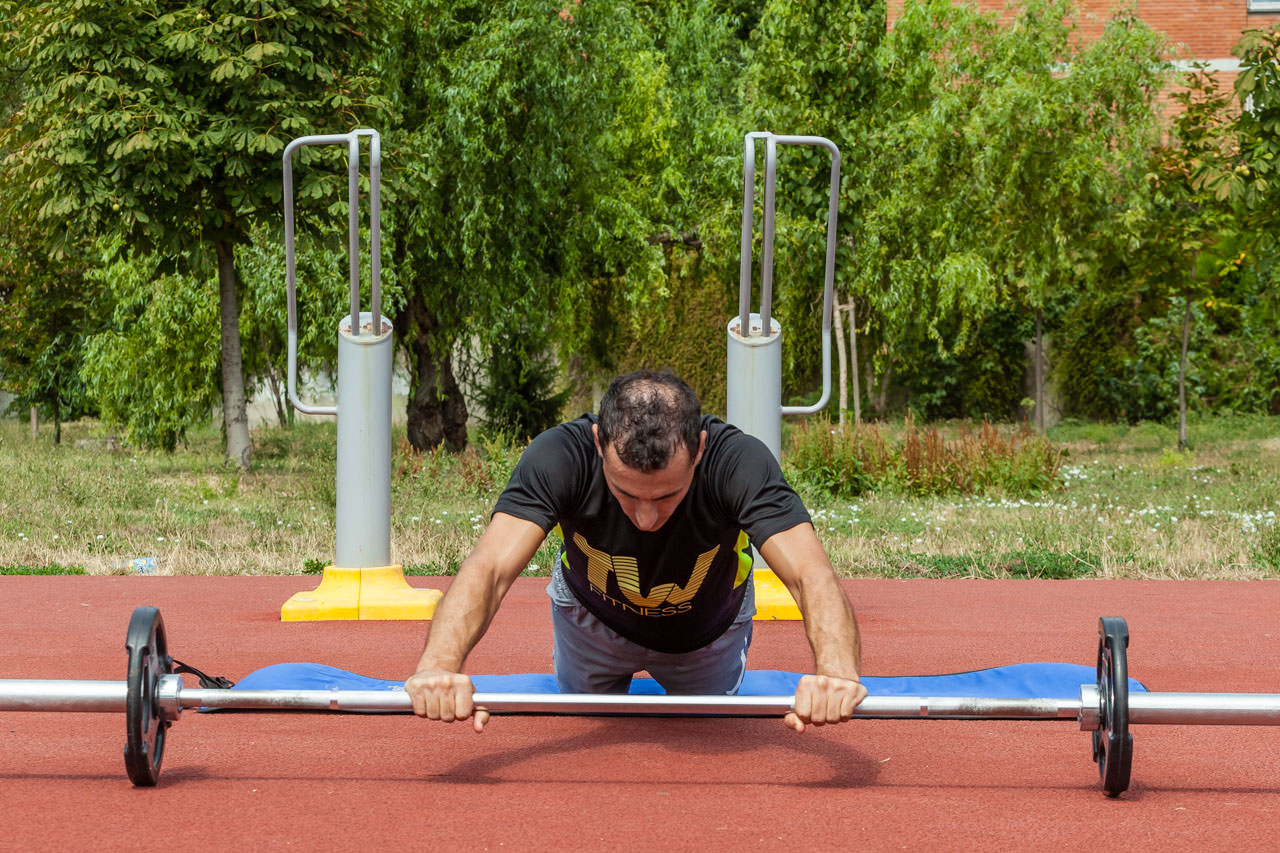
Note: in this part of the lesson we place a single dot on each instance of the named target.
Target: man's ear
(595, 434)
(702, 446)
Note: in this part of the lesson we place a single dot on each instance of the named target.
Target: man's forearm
(799, 561)
(461, 619)
(484, 577)
(832, 630)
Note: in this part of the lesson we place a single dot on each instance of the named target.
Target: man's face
(648, 500)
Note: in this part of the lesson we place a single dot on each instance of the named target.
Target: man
(658, 507)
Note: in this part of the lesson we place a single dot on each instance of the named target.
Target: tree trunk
(1182, 375)
(35, 423)
(436, 409)
(843, 360)
(853, 354)
(277, 396)
(1039, 370)
(881, 401)
(57, 418)
(235, 417)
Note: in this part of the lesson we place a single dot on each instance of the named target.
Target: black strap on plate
(209, 682)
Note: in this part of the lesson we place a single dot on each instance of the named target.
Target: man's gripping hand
(438, 694)
(823, 699)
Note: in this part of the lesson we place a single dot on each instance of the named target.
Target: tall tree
(1001, 153)
(812, 71)
(1258, 89)
(1196, 225)
(46, 310)
(163, 121)
(519, 180)
(1256, 178)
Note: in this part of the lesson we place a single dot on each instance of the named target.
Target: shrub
(846, 462)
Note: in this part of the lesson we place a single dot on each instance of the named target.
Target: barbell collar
(1090, 716)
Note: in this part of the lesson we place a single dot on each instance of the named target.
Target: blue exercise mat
(1016, 681)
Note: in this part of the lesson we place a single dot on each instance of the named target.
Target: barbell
(153, 697)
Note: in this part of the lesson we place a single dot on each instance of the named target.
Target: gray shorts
(590, 657)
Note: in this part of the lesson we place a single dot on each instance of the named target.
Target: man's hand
(822, 699)
(438, 694)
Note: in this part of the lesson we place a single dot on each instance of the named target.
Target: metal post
(364, 443)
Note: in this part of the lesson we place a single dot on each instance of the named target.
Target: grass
(52, 569)
(1121, 505)
(1120, 502)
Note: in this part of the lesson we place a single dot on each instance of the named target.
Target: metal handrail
(766, 254)
(352, 141)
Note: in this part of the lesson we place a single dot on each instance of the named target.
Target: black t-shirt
(674, 589)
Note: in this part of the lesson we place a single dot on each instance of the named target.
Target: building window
(1264, 5)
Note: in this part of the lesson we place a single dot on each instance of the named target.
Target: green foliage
(684, 330)
(151, 370)
(1257, 178)
(480, 471)
(996, 172)
(165, 120)
(46, 309)
(982, 379)
(573, 168)
(812, 70)
(323, 288)
(161, 122)
(1189, 260)
(514, 172)
(843, 463)
(846, 463)
(519, 396)
(547, 161)
(46, 312)
(1258, 89)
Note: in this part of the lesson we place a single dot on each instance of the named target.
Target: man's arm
(439, 689)
(831, 694)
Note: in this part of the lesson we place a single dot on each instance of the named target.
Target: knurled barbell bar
(153, 697)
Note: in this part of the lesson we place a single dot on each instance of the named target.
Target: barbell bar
(153, 697)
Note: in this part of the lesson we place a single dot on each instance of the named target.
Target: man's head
(650, 439)
(646, 416)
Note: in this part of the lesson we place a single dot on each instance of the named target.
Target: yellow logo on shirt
(666, 599)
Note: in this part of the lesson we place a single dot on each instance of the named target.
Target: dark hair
(646, 415)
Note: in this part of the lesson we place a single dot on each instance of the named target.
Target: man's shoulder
(564, 446)
(576, 431)
(725, 438)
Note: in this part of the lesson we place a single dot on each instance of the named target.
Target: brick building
(1198, 30)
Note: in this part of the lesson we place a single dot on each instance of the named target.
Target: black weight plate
(145, 728)
(1112, 742)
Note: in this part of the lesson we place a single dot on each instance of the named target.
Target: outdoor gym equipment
(361, 583)
(754, 368)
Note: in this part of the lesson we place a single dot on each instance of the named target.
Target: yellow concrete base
(372, 593)
(773, 599)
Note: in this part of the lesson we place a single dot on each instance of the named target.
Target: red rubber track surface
(346, 782)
